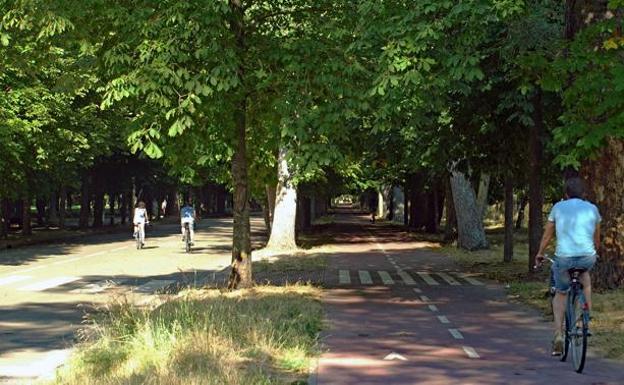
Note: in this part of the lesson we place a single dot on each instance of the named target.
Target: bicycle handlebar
(546, 257)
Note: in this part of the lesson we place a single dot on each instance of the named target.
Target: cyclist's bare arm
(549, 232)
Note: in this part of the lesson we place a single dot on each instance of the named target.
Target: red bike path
(440, 328)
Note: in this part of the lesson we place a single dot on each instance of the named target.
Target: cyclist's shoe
(557, 344)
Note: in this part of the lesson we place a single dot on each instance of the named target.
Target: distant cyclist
(187, 215)
(576, 224)
(140, 220)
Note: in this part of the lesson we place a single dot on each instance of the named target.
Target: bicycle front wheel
(578, 332)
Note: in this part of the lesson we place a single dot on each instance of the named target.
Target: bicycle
(576, 319)
(187, 237)
(139, 235)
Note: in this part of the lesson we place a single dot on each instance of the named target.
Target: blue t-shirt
(187, 212)
(575, 223)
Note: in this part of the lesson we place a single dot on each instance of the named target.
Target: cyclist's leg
(182, 229)
(562, 285)
(586, 281)
(192, 231)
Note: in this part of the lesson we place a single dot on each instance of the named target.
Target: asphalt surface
(46, 290)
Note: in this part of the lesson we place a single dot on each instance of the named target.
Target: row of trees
(431, 95)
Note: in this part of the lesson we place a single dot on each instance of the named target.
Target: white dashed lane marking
(385, 278)
(343, 277)
(443, 319)
(406, 278)
(456, 334)
(365, 277)
(450, 280)
(13, 279)
(49, 284)
(471, 280)
(433, 308)
(470, 352)
(427, 278)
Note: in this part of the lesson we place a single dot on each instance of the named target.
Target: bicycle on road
(187, 237)
(576, 319)
(139, 234)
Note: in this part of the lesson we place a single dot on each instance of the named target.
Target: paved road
(45, 290)
(400, 313)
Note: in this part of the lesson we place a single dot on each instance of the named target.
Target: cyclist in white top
(140, 220)
(187, 215)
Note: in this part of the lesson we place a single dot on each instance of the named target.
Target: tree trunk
(603, 173)
(62, 206)
(85, 203)
(98, 208)
(524, 199)
(241, 241)
(471, 235)
(482, 194)
(509, 222)
(41, 206)
(124, 207)
(53, 211)
(536, 193)
(604, 176)
(284, 219)
(4, 217)
(111, 208)
(450, 227)
(26, 225)
(271, 193)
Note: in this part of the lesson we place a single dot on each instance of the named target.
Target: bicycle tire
(578, 334)
(187, 238)
(566, 336)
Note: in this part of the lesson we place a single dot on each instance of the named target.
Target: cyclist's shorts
(563, 264)
(187, 220)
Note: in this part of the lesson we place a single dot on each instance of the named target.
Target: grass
(608, 307)
(265, 335)
(299, 261)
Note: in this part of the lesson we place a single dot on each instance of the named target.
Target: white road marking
(470, 280)
(49, 284)
(424, 298)
(385, 278)
(365, 277)
(394, 356)
(456, 334)
(13, 278)
(450, 280)
(417, 290)
(433, 308)
(427, 278)
(154, 285)
(470, 352)
(443, 319)
(407, 279)
(343, 277)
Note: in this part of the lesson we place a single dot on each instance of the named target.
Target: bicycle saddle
(576, 272)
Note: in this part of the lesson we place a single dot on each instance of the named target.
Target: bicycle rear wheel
(187, 238)
(578, 332)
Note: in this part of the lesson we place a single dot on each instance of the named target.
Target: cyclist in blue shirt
(187, 215)
(576, 224)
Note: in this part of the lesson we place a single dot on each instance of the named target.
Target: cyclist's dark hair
(141, 205)
(575, 188)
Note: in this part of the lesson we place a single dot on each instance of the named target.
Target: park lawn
(264, 335)
(608, 307)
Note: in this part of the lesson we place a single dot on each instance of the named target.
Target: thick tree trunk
(482, 194)
(536, 193)
(124, 207)
(604, 177)
(406, 203)
(26, 225)
(604, 173)
(418, 202)
(284, 219)
(85, 203)
(471, 234)
(522, 202)
(98, 207)
(450, 227)
(111, 208)
(509, 222)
